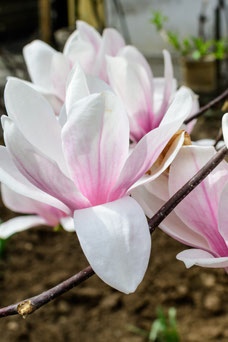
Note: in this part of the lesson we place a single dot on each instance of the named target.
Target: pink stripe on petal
(171, 225)
(10, 175)
(41, 171)
(95, 143)
(204, 198)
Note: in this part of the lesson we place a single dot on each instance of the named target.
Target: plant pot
(199, 75)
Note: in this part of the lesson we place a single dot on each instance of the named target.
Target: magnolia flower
(200, 220)
(49, 69)
(146, 98)
(43, 214)
(85, 168)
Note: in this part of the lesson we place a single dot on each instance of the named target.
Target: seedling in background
(2, 245)
(194, 47)
(162, 330)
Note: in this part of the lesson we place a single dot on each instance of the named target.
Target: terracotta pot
(200, 75)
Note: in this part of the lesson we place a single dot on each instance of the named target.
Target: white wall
(183, 18)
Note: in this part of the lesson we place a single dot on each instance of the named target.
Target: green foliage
(162, 330)
(173, 39)
(195, 47)
(58, 228)
(2, 245)
(158, 20)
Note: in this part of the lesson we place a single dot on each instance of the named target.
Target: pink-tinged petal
(92, 145)
(181, 109)
(116, 241)
(131, 82)
(225, 128)
(60, 69)
(10, 175)
(204, 198)
(88, 33)
(135, 56)
(171, 225)
(202, 258)
(157, 170)
(38, 57)
(151, 145)
(158, 93)
(223, 213)
(80, 51)
(35, 118)
(26, 205)
(68, 223)
(168, 87)
(40, 170)
(17, 202)
(20, 223)
(111, 43)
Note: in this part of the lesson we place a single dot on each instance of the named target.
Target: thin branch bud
(207, 106)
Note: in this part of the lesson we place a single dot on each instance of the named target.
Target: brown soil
(40, 258)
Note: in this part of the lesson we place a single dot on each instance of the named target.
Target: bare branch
(30, 305)
(207, 106)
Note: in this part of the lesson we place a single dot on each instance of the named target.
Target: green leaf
(158, 19)
(174, 40)
(58, 228)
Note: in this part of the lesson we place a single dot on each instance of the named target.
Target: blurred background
(38, 259)
(53, 20)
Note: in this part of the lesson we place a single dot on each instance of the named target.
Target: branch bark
(207, 106)
(30, 305)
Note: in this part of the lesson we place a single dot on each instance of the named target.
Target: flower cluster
(89, 144)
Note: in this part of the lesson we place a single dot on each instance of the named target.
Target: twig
(218, 138)
(30, 305)
(207, 106)
(166, 209)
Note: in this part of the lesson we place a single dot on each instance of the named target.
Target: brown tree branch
(30, 305)
(207, 106)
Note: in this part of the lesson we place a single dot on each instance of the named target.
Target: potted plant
(198, 56)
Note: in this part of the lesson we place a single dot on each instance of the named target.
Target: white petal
(35, 118)
(134, 55)
(11, 176)
(54, 100)
(38, 57)
(225, 128)
(116, 241)
(68, 223)
(20, 223)
(202, 258)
